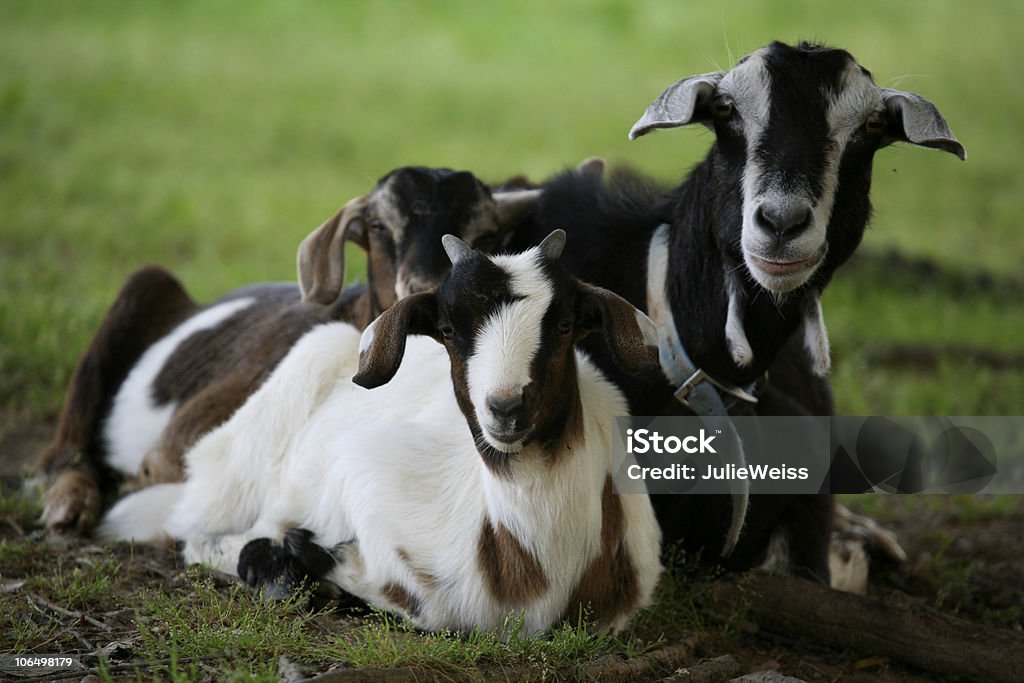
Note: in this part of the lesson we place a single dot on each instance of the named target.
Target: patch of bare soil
(969, 568)
(20, 442)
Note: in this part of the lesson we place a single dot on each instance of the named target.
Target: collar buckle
(699, 376)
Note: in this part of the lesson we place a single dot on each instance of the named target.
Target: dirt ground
(965, 558)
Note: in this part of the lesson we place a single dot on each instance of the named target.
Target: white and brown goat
(387, 495)
(161, 371)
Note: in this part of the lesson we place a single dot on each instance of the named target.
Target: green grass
(247, 631)
(199, 619)
(384, 642)
(211, 137)
(962, 508)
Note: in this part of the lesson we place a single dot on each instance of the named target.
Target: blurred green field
(211, 137)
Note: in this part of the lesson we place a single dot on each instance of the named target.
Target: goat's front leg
(150, 304)
(222, 552)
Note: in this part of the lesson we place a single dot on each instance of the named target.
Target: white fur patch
(816, 340)
(735, 334)
(506, 344)
(776, 557)
(140, 516)
(136, 422)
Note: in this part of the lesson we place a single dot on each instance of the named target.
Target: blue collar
(698, 391)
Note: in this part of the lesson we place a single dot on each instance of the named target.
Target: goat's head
(796, 128)
(399, 224)
(509, 324)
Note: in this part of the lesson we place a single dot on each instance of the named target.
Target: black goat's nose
(505, 405)
(788, 221)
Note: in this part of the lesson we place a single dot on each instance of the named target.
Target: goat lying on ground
(731, 263)
(161, 370)
(452, 527)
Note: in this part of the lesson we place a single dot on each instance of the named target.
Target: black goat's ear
(914, 119)
(685, 101)
(321, 257)
(631, 336)
(382, 345)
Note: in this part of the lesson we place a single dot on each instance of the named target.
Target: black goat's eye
(377, 226)
(447, 331)
(875, 123)
(723, 108)
(565, 327)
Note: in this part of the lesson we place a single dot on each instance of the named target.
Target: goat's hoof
(848, 566)
(316, 559)
(876, 539)
(270, 569)
(73, 503)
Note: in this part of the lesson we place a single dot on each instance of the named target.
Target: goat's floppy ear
(383, 343)
(683, 102)
(514, 205)
(321, 255)
(914, 119)
(631, 336)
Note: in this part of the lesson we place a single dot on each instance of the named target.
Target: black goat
(731, 263)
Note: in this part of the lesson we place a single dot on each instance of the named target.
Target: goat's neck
(549, 491)
(551, 508)
(696, 286)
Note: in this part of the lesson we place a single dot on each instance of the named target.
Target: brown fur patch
(608, 587)
(511, 572)
(251, 342)
(398, 596)
(562, 432)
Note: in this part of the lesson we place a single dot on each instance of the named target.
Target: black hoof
(268, 567)
(317, 560)
(280, 570)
